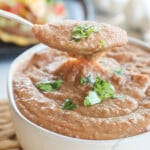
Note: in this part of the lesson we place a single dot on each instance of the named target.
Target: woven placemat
(8, 140)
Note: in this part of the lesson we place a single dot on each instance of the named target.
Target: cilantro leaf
(91, 99)
(50, 86)
(50, 1)
(45, 87)
(83, 80)
(103, 88)
(119, 72)
(69, 105)
(83, 31)
(102, 43)
(88, 79)
(57, 84)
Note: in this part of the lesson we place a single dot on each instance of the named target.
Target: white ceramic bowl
(34, 137)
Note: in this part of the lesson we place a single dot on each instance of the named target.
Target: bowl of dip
(39, 112)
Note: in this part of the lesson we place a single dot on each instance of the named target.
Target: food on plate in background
(36, 11)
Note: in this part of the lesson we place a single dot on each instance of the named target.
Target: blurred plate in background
(77, 9)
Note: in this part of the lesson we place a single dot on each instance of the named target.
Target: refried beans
(126, 68)
(80, 37)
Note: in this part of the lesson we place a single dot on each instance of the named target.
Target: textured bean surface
(113, 118)
(59, 36)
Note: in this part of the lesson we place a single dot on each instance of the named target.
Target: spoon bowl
(75, 37)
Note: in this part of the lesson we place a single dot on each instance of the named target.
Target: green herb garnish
(69, 105)
(83, 31)
(91, 99)
(119, 72)
(88, 79)
(102, 43)
(103, 88)
(50, 86)
(48, 1)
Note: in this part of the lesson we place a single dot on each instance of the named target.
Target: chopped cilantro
(83, 31)
(88, 79)
(119, 72)
(102, 43)
(48, 1)
(69, 105)
(103, 88)
(50, 86)
(83, 80)
(91, 99)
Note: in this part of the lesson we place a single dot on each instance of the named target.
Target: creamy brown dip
(112, 118)
(61, 36)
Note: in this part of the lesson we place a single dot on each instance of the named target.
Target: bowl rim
(14, 107)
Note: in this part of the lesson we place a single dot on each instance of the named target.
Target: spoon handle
(14, 17)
